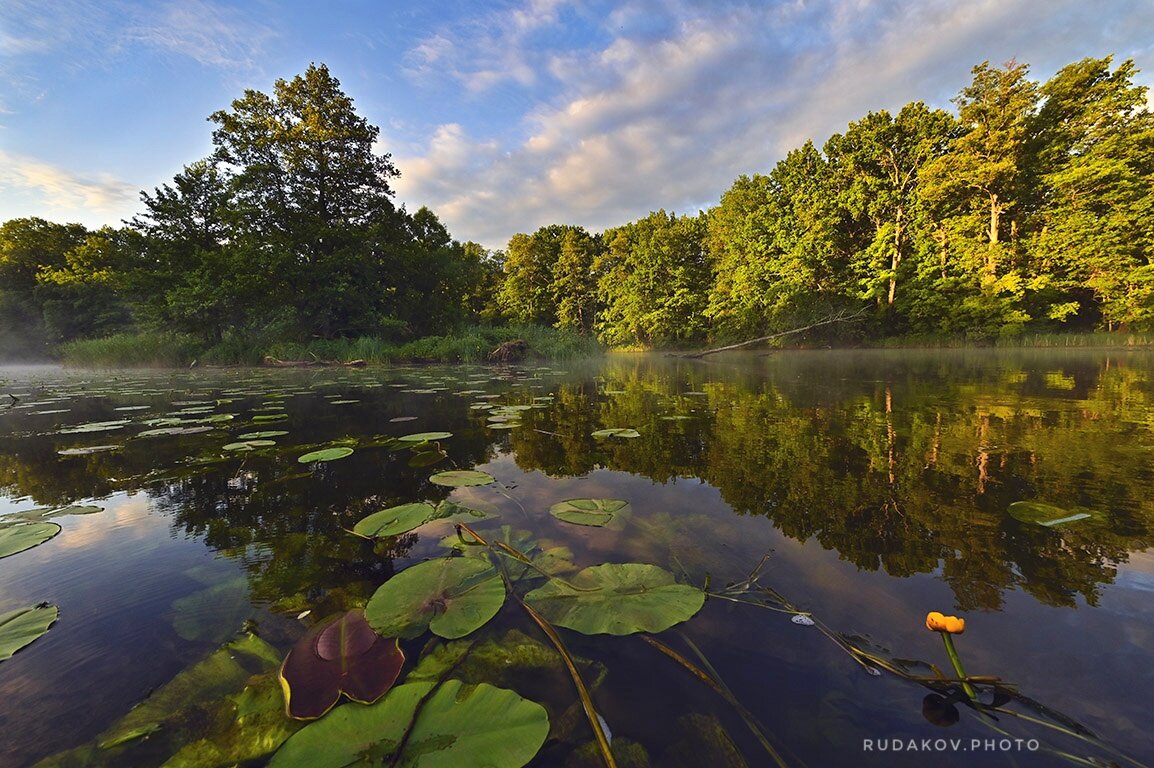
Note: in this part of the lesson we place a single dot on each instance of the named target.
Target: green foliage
(653, 281)
(132, 349)
(1030, 210)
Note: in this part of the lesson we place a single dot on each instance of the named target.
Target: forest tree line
(1032, 207)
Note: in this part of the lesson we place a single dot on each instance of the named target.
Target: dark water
(878, 485)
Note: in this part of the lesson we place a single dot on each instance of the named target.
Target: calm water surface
(871, 487)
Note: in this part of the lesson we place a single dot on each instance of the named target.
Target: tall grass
(126, 350)
(469, 345)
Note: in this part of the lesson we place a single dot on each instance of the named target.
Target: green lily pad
(457, 725)
(166, 431)
(449, 596)
(21, 536)
(617, 599)
(37, 515)
(88, 450)
(595, 512)
(394, 520)
(94, 426)
(20, 627)
(616, 432)
(325, 454)
(262, 435)
(269, 418)
(247, 445)
(424, 437)
(460, 478)
(1043, 514)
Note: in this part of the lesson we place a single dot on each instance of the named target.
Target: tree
(575, 281)
(876, 166)
(983, 169)
(654, 281)
(1092, 146)
(27, 247)
(309, 189)
(527, 292)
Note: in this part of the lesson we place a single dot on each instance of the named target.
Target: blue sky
(505, 116)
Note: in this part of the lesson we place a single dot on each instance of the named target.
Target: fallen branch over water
(273, 362)
(841, 317)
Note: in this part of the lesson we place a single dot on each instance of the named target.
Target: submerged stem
(957, 662)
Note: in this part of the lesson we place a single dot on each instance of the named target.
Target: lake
(790, 518)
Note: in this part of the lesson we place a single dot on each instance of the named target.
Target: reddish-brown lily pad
(341, 654)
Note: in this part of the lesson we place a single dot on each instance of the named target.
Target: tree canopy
(1031, 207)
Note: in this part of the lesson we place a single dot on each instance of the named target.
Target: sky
(505, 116)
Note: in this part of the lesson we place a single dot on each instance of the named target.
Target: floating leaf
(21, 536)
(247, 445)
(339, 655)
(325, 454)
(269, 418)
(394, 520)
(88, 450)
(1043, 514)
(617, 599)
(450, 596)
(424, 437)
(457, 725)
(460, 478)
(51, 512)
(602, 433)
(166, 431)
(262, 435)
(398, 419)
(427, 458)
(595, 512)
(20, 627)
(94, 426)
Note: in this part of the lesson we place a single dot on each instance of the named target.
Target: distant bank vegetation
(1026, 213)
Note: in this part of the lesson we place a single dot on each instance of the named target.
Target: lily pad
(20, 627)
(460, 478)
(325, 454)
(21, 536)
(456, 725)
(48, 513)
(247, 445)
(617, 599)
(594, 512)
(616, 432)
(339, 655)
(394, 520)
(1046, 515)
(166, 431)
(449, 596)
(88, 450)
(94, 426)
(262, 435)
(269, 418)
(424, 437)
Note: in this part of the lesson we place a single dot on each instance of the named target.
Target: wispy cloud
(209, 33)
(497, 48)
(62, 189)
(683, 97)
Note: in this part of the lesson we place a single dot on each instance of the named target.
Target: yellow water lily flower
(938, 622)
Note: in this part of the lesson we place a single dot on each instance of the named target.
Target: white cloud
(682, 97)
(208, 33)
(64, 190)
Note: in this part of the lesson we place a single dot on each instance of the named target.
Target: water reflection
(895, 465)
